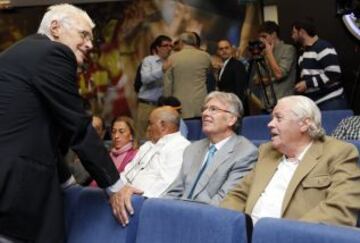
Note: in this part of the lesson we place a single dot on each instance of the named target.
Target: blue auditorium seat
(270, 230)
(255, 127)
(71, 198)
(93, 222)
(176, 221)
(331, 118)
(194, 129)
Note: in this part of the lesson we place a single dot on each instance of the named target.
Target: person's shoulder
(236, 62)
(287, 46)
(181, 139)
(151, 58)
(243, 143)
(198, 144)
(323, 44)
(335, 145)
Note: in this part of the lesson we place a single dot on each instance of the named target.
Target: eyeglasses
(85, 35)
(167, 45)
(213, 109)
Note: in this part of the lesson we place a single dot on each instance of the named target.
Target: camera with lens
(256, 47)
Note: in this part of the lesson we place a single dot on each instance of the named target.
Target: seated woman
(124, 143)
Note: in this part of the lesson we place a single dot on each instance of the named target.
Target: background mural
(123, 33)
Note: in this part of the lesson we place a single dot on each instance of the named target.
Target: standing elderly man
(41, 115)
(301, 174)
(158, 161)
(214, 165)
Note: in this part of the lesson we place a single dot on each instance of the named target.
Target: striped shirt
(319, 67)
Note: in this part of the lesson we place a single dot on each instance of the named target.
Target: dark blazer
(41, 115)
(234, 79)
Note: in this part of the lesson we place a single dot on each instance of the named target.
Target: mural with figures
(123, 36)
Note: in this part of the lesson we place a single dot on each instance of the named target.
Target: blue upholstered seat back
(175, 221)
(93, 222)
(270, 230)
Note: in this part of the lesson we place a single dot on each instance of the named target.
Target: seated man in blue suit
(214, 165)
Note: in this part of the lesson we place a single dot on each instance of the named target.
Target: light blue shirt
(151, 78)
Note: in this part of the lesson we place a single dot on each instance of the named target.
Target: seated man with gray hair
(301, 174)
(214, 165)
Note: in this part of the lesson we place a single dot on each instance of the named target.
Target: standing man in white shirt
(158, 161)
(152, 70)
(301, 174)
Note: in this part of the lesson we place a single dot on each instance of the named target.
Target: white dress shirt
(223, 68)
(270, 202)
(156, 166)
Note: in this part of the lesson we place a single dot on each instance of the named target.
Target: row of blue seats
(255, 127)
(89, 219)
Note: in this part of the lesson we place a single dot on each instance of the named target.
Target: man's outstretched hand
(121, 203)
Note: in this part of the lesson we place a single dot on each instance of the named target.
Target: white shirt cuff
(115, 187)
(70, 182)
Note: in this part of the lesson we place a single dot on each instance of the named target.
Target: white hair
(303, 107)
(65, 14)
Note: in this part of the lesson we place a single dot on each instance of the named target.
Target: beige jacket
(186, 80)
(324, 189)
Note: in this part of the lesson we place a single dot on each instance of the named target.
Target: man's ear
(305, 124)
(55, 29)
(232, 120)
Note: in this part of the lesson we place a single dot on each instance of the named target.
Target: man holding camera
(280, 59)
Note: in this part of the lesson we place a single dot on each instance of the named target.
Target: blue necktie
(211, 153)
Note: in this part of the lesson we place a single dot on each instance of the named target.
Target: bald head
(162, 121)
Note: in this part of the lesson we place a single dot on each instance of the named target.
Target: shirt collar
(301, 155)
(218, 145)
(165, 139)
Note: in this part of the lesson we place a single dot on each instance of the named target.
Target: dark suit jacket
(234, 79)
(39, 107)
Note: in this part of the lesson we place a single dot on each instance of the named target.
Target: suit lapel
(197, 159)
(305, 166)
(264, 174)
(227, 70)
(220, 156)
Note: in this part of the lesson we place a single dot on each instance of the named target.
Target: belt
(149, 102)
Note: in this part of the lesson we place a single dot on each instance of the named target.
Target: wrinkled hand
(121, 203)
(300, 87)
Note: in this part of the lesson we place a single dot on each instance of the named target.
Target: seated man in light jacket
(301, 174)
